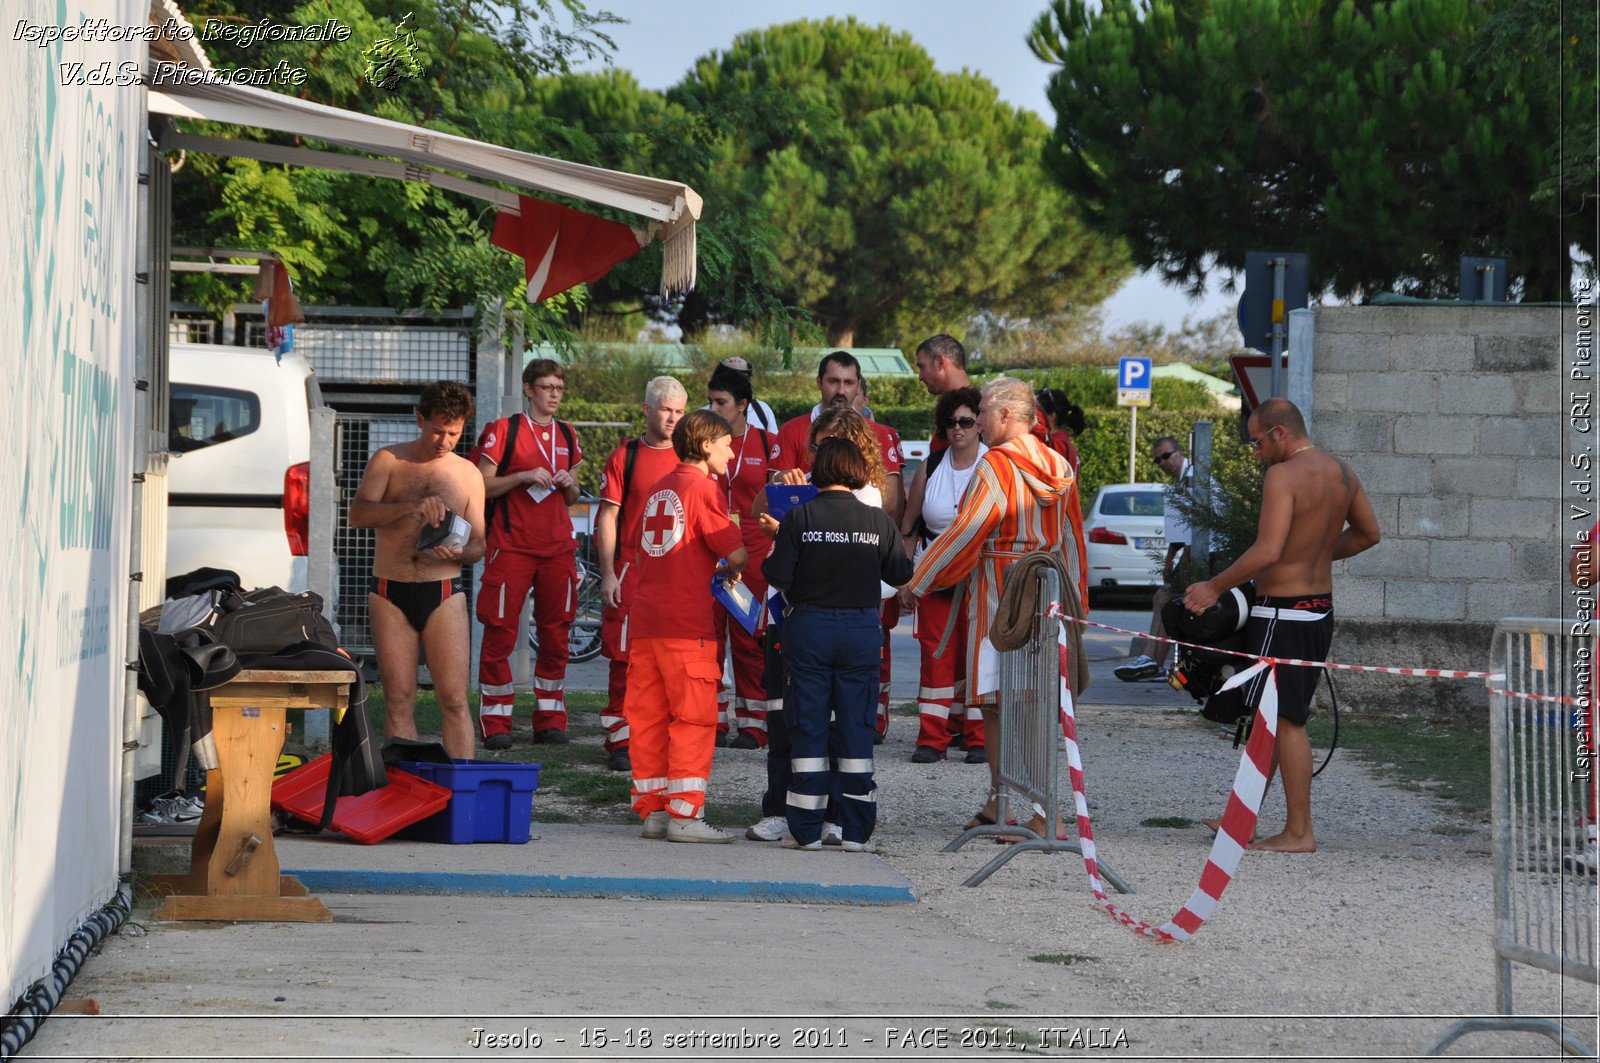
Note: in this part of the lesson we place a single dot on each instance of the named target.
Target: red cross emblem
(663, 522)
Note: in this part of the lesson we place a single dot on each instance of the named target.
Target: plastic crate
(492, 802)
(369, 818)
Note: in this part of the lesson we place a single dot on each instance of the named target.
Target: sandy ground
(1367, 949)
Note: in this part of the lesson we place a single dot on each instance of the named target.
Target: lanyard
(738, 464)
(548, 450)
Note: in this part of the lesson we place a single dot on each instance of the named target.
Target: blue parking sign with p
(1133, 382)
(1133, 373)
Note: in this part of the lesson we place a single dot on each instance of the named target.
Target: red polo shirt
(792, 452)
(686, 531)
(651, 464)
(542, 528)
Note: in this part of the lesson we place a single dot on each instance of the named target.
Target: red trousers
(507, 579)
(942, 714)
(749, 704)
(614, 645)
(889, 613)
(671, 707)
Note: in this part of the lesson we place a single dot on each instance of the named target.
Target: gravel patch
(1391, 917)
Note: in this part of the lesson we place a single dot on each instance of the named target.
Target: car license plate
(1149, 541)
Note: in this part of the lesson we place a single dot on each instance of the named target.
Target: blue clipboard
(739, 601)
(781, 498)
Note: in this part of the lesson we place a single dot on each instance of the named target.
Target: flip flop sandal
(979, 819)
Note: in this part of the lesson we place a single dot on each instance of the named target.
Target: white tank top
(941, 495)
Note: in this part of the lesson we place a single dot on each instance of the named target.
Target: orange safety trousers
(671, 709)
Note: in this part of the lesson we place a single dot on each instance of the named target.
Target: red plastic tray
(369, 818)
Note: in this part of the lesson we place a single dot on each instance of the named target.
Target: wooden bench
(233, 867)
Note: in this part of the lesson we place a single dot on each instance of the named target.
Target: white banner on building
(69, 145)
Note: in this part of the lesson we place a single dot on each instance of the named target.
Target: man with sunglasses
(1151, 661)
(1314, 512)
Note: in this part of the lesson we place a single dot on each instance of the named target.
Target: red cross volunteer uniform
(530, 547)
(673, 659)
(628, 490)
(745, 478)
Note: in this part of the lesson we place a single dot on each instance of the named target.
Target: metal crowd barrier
(1030, 738)
(1540, 771)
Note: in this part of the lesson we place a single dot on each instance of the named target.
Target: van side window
(203, 417)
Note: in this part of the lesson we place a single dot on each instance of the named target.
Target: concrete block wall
(1452, 417)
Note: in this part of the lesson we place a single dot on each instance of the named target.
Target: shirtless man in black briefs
(1314, 512)
(416, 600)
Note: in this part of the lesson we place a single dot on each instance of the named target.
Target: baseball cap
(736, 364)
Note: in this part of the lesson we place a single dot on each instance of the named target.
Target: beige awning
(670, 208)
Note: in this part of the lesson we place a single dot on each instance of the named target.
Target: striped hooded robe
(1017, 502)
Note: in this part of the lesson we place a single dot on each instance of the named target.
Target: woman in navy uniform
(829, 558)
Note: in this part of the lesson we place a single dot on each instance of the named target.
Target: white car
(1126, 536)
(238, 481)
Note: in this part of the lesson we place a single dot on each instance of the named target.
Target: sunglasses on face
(1255, 444)
(1163, 457)
(965, 423)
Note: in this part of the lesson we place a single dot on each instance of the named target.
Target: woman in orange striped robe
(1016, 503)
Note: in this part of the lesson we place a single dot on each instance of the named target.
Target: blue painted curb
(524, 885)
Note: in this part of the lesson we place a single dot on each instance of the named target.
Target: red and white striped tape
(1238, 818)
(1426, 673)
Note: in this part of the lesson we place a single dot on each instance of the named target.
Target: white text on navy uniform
(870, 538)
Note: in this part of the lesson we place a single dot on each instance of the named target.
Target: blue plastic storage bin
(491, 802)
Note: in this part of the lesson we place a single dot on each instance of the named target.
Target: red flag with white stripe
(562, 248)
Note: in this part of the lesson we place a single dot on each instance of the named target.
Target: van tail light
(1107, 537)
(297, 508)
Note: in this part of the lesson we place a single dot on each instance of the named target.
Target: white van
(238, 481)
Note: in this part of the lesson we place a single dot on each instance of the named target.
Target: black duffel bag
(270, 618)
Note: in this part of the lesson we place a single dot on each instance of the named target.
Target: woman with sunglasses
(936, 493)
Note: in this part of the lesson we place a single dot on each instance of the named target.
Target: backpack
(498, 505)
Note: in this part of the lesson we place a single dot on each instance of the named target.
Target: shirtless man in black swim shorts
(415, 598)
(1314, 512)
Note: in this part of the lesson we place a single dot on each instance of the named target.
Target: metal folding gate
(1541, 771)
(1030, 739)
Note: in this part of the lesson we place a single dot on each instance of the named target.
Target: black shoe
(927, 755)
(722, 739)
(978, 755)
(877, 739)
(498, 741)
(550, 736)
(1140, 667)
(744, 740)
(619, 761)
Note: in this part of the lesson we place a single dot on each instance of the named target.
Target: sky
(663, 38)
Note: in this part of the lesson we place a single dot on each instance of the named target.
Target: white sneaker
(174, 807)
(770, 829)
(832, 834)
(857, 847)
(655, 826)
(789, 842)
(696, 830)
